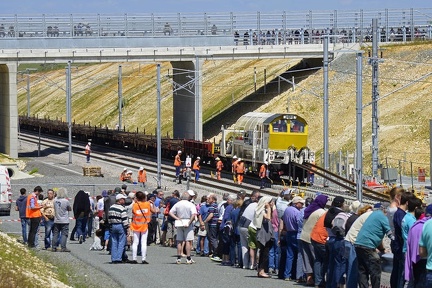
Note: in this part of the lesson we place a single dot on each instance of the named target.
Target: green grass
(33, 171)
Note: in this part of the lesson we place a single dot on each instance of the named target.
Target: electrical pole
(359, 127)
(28, 92)
(69, 108)
(120, 97)
(325, 107)
(159, 140)
(374, 61)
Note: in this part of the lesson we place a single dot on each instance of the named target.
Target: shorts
(171, 230)
(107, 234)
(252, 242)
(185, 233)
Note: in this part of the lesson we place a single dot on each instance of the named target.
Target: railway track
(135, 160)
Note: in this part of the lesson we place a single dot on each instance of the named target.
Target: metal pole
(375, 95)
(69, 108)
(39, 141)
(159, 140)
(412, 178)
(400, 173)
(325, 108)
(359, 127)
(255, 79)
(197, 102)
(120, 96)
(28, 92)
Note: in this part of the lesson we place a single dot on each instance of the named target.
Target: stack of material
(92, 171)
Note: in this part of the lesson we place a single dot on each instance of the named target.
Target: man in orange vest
(219, 167)
(263, 173)
(196, 168)
(123, 174)
(34, 214)
(240, 170)
(142, 177)
(177, 163)
(234, 167)
(87, 151)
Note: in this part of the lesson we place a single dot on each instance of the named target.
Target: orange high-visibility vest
(196, 165)
(122, 176)
(33, 213)
(262, 172)
(141, 216)
(234, 166)
(87, 150)
(142, 176)
(219, 165)
(177, 161)
(240, 167)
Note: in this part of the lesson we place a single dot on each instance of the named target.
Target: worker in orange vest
(128, 177)
(123, 174)
(234, 167)
(240, 170)
(263, 174)
(219, 167)
(87, 151)
(196, 168)
(34, 214)
(177, 163)
(142, 177)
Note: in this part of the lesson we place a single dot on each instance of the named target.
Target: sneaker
(133, 262)
(178, 261)
(190, 261)
(216, 259)
(65, 250)
(80, 239)
(145, 262)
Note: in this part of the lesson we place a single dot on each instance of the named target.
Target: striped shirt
(117, 215)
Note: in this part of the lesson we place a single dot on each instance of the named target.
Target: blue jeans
(206, 245)
(24, 223)
(118, 241)
(352, 265)
(62, 229)
(197, 174)
(177, 171)
(320, 264)
(274, 253)
(398, 270)
(81, 223)
(369, 266)
(89, 229)
(291, 254)
(428, 278)
(338, 262)
(235, 251)
(300, 272)
(48, 228)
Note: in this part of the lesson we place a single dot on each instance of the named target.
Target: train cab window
(296, 126)
(280, 126)
(266, 129)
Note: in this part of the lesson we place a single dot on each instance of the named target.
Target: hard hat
(89, 143)
(217, 159)
(124, 169)
(239, 159)
(179, 152)
(198, 158)
(234, 157)
(129, 172)
(141, 168)
(265, 162)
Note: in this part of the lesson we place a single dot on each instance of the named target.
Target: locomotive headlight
(290, 117)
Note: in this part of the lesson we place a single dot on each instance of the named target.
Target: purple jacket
(412, 253)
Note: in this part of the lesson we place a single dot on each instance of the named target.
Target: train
(276, 139)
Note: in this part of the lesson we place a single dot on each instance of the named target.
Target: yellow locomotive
(274, 139)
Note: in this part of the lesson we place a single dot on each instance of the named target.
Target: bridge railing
(285, 27)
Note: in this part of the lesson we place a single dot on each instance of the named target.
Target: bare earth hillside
(404, 114)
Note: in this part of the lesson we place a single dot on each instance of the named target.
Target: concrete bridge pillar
(8, 110)
(187, 100)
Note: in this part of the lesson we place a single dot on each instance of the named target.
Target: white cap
(198, 158)
(191, 192)
(239, 159)
(129, 172)
(298, 199)
(217, 159)
(265, 162)
(124, 169)
(120, 196)
(234, 157)
(141, 168)
(89, 143)
(179, 152)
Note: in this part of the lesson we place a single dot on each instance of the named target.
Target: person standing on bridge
(88, 151)
(177, 165)
(196, 168)
(219, 167)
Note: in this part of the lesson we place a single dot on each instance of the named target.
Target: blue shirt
(291, 218)
(373, 230)
(426, 241)
(407, 222)
(397, 243)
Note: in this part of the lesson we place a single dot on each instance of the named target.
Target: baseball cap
(298, 199)
(338, 201)
(429, 210)
(120, 196)
(141, 168)
(234, 157)
(117, 189)
(217, 159)
(378, 206)
(191, 192)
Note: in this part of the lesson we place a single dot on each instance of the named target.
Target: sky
(200, 6)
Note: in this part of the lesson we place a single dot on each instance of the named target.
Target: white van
(5, 192)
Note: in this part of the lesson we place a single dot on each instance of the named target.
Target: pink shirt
(275, 221)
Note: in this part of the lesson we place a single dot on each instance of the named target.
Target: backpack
(338, 224)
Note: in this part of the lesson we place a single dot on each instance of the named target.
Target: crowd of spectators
(315, 242)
